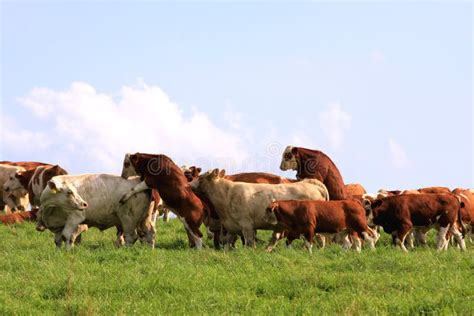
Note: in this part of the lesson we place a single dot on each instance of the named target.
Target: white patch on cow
(458, 237)
(442, 242)
(36, 183)
(370, 241)
(197, 239)
(357, 244)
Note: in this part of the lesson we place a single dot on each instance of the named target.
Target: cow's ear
(134, 159)
(215, 173)
(53, 187)
(222, 173)
(198, 170)
(294, 151)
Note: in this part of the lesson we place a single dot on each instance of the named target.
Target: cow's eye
(69, 192)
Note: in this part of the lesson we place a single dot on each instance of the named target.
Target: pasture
(96, 278)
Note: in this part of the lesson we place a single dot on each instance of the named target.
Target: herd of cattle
(316, 205)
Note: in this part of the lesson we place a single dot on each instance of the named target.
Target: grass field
(96, 278)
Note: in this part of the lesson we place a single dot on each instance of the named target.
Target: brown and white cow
(27, 165)
(314, 164)
(344, 218)
(34, 181)
(399, 214)
(11, 201)
(161, 173)
(467, 215)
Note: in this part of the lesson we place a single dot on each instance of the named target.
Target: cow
(399, 214)
(344, 218)
(241, 206)
(434, 190)
(70, 204)
(355, 189)
(314, 164)
(11, 200)
(467, 215)
(18, 217)
(161, 173)
(34, 181)
(191, 173)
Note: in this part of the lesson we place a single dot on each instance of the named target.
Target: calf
(399, 214)
(11, 200)
(345, 218)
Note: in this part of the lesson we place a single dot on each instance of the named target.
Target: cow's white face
(12, 184)
(288, 160)
(128, 170)
(62, 195)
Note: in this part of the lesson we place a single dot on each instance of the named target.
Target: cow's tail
(463, 227)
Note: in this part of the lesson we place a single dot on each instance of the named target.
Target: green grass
(96, 278)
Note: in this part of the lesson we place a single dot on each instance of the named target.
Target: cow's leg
(369, 239)
(401, 235)
(217, 240)
(458, 237)
(441, 241)
(166, 214)
(193, 231)
(309, 235)
(291, 237)
(321, 239)
(409, 241)
(276, 237)
(346, 242)
(58, 239)
(142, 186)
(230, 239)
(356, 243)
(69, 234)
(76, 236)
(120, 241)
(249, 236)
(209, 233)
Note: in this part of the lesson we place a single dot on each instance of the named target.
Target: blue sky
(384, 88)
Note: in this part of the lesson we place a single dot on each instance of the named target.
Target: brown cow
(435, 190)
(314, 164)
(19, 217)
(345, 218)
(354, 189)
(161, 173)
(399, 214)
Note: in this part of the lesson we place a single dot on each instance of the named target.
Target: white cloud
(96, 128)
(377, 56)
(398, 155)
(335, 123)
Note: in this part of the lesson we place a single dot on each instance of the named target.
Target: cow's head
(370, 204)
(289, 159)
(129, 163)
(270, 216)
(204, 181)
(63, 195)
(191, 173)
(13, 183)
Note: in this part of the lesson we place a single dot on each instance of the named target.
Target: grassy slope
(96, 278)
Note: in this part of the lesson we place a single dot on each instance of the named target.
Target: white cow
(241, 206)
(72, 203)
(17, 200)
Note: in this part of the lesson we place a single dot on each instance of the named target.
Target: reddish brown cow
(161, 173)
(18, 217)
(435, 190)
(314, 164)
(346, 218)
(400, 213)
(258, 177)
